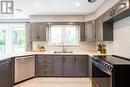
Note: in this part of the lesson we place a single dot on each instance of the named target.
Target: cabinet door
(58, 68)
(90, 31)
(42, 31)
(81, 66)
(82, 31)
(99, 29)
(35, 31)
(68, 65)
(5, 71)
(38, 31)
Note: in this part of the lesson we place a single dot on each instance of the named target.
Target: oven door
(100, 78)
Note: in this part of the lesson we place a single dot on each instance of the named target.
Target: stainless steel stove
(110, 71)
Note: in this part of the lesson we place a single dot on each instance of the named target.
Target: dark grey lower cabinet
(44, 65)
(81, 66)
(58, 68)
(5, 73)
(62, 65)
(69, 66)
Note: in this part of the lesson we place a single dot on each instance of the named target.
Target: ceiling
(55, 7)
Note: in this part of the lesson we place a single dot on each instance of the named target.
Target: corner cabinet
(5, 73)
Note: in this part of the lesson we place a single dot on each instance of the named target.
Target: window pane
(18, 39)
(2, 41)
(56, 34)
(71, 34)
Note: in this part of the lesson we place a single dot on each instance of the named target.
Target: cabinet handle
(86, 36)
(38, 37)
(64, 59)
(4, 63)
(75, 59)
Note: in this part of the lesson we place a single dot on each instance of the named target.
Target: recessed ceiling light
(37, 5)
(18, 10)
(77, 4)
(91, 1)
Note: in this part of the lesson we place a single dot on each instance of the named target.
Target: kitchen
(84, 46)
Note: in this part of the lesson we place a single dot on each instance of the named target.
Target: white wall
(57, 18)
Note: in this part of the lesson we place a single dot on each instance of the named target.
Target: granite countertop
(10, 55)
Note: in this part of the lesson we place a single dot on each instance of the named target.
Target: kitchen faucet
(63, 47)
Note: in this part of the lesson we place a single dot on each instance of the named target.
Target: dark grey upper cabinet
(90, 31)
(104, 30)
(82, 31)
(58, 66)
(81, 66)
(38, 31)
(35, 31)
(99, 29)
(42, 31)
(5, 73)
(69, 65)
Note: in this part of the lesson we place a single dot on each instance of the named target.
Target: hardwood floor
(56, 82)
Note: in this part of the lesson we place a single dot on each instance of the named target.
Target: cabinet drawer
(44, 66)
(45, 60)
(45, 73)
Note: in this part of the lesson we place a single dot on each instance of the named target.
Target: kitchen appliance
(110, 71)
(24, 68)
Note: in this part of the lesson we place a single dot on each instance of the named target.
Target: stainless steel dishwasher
(24, 68)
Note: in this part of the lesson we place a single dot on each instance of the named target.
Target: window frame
(63, 34)
(9, 27)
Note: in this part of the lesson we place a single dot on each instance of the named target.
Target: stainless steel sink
(63, 52)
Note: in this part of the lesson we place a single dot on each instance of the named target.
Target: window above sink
(67, 34)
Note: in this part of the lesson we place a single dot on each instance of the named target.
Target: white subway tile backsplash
(82, 47)
(121, 44)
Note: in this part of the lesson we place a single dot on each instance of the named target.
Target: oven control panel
(102, 65)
